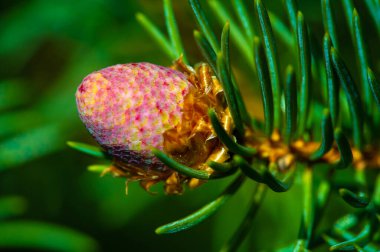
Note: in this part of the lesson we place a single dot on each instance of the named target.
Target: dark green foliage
(300, 102)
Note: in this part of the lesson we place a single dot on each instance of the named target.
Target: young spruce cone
(131, 109)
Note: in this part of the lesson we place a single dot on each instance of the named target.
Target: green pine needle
(290, 104)
(229, 92)
(359, 200)
(242, 43)
(352, 96)
(270, 48)
(248, 170)
(204, 25)
(157, 35)
(291, 10)
(375, 86)
(182, 169)
(97, 168)
(327, 136)
(332, 84)
(264, 81)
(362, 61)
(206, 49)
(172, 28)
(226, 139)
(202, 214)
(304, 72)
(244, 18)
(344, 148)
(87, 149)
(328, 21)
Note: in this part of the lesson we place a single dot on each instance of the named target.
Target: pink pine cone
(128, 107)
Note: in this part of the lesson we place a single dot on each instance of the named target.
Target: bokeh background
(48, 199)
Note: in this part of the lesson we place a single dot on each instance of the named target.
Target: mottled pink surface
(128, 107)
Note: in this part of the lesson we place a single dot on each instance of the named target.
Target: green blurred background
(46, 48)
